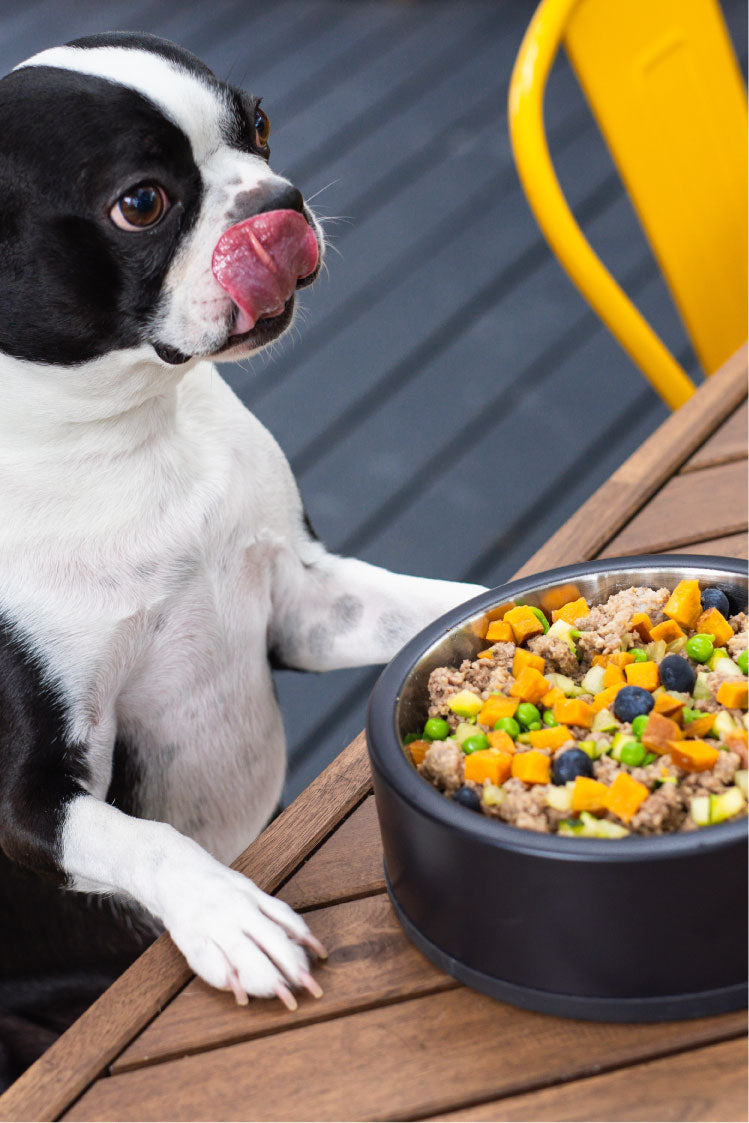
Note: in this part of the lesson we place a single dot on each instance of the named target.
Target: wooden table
(393, 1037)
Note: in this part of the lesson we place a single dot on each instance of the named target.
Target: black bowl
(632, 929)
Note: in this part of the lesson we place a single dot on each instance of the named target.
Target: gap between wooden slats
(729, 443)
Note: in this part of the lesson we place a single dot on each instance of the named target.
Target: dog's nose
(287, 198)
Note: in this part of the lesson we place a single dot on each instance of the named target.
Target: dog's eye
(139, 207)
(262, 128)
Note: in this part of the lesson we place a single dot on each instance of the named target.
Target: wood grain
(612, 506)
(729, 443)
(702, 1084)
(394, 1062)
(48, 1086)
(732, 546)
(357, 934)
(693, 507)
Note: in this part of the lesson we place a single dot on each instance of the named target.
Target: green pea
(475, 743)
(508, 725)
(640, 655)
(549, 719)
(639, 723)
(633, 754)
(537, 612)
(526, 713)
(411, 737)
(436, 729)
(742, 661)
(534, 725)
(699, 648)
(650, 758)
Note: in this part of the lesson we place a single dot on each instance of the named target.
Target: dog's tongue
(259, 261)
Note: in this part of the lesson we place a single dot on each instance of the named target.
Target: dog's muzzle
(259, 262)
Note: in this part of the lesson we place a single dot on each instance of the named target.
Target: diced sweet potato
(531, 767)
(621, 658)
(495, 707)
(493, 765)
(684, 605)
(571, 611)
(524, 623)
(668, 631)
(640, 623)
(552, 738)
(738, 742)
(613, 675)
(589, 795)
(488, 654)
(604, 698)
(643, 674)
(418, 750)
(557, 598)
(734, 694)
(699, 727)
(523, 658)
(659, 732)
(499, 632)
(498, 739)
(572, 711)
(713, 623)
(551, 697)
(693, 756)
(625, 795)
(670, 706)
(529, 686)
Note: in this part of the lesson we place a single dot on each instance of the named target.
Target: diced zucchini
(523, 738)
(723, 724)
(718, 654)
(700, 809)
(618, 743)
(464, 730)
(595, 749)
(561, 629)
(492, 795)
(742, 782)
(465, 703)
(593, 681)
(600, 828)
(604, 722)
(676, 646)
(655, 650)
(560, 798)
(726, 668)
(701, 691)
(726, 805)
(570, 827)
(565, 684)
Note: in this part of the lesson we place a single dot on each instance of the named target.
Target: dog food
(628, 717)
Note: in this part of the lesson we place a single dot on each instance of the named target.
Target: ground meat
(503, 655)
(740, 641)
(443, 683)
(663, 810)
(557, 654)
(716, 780)
(656, 772)
(443, 766)
(525, 807)
(605, 769)
(606, 628)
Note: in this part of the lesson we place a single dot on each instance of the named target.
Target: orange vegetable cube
(684, 605)
(625, 795)
(668, 705)
(523, 658)
(488, 654)
(495, 707)
(493, 765)
(641, 624)
(552, 697)
(659, 732)
(699, 727)
(499, 632)
(524, 623)
(713, 623)
(552, 738)
(558, 597)
(529, 686)
(498, 739)
(418, 750)
(600, 660)
(604, 698)
(621, 658)
(531, 767)
(571, 611)
(737, 737)
(734, 694)
(643, 674)
(589, 795)
(668, 631)
(612, 675)
(693, 756)
(573, 712)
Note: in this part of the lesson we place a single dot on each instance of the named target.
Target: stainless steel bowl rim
(388, 758)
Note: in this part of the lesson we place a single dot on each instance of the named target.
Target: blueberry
(631, 701)
(676, 674)
(573, 762)
(468, 797)
(716, 598)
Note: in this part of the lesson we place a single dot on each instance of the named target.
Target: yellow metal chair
(663, 83)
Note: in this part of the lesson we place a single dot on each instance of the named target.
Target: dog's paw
(237, 938)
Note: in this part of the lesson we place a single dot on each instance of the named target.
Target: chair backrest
(663, 83)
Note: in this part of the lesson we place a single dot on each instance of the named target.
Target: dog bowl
(632, 929)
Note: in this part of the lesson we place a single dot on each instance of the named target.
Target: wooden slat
(732, 546)
(356, 933)
(416, 1058)
(76, 1058)
(600, 519)
(711, 503)
(348, 864)
(702, 1084)
(729, 443)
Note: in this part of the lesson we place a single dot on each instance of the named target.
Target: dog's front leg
(331, 612)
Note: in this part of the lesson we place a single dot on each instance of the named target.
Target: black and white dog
(154, 552)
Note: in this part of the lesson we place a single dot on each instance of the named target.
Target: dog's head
(138, 208)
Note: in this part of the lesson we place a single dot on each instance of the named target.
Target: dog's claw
(234, 985)
(311, 984)
(312, 942)
(286, 997)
